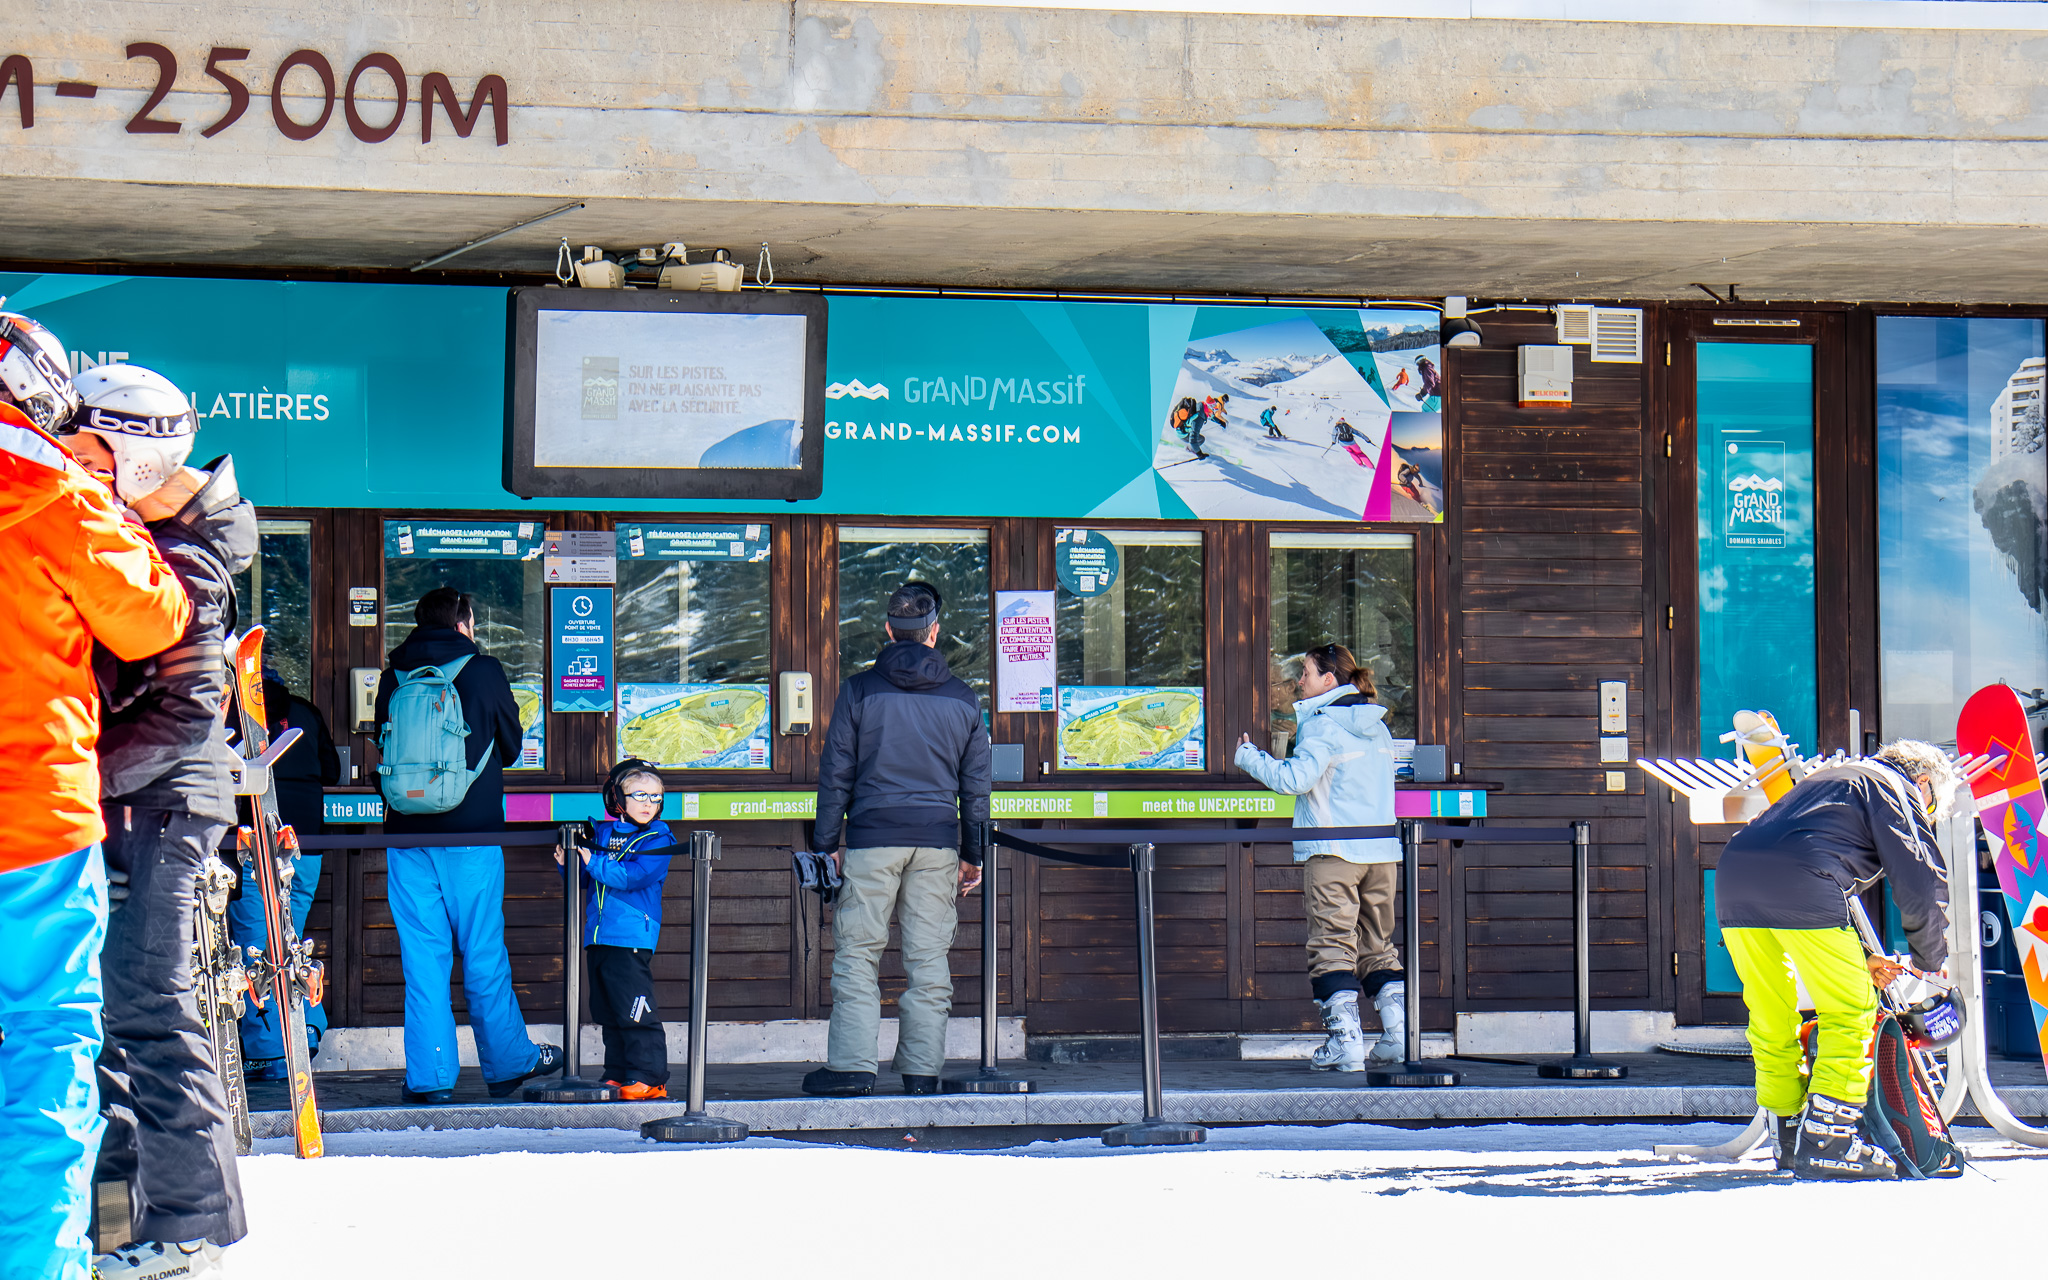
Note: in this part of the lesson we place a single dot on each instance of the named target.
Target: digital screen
(630, 389)
(645, 393)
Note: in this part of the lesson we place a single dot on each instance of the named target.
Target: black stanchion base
(694, 1126)
(1411, 1075)
(570, 1089)
(1155, 1133)
(1577, 1068)
(986, 1081)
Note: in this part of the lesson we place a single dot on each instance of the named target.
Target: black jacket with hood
(1836, 834)
(311, 765)
(163, 742)
(493, 719)
(906, 759)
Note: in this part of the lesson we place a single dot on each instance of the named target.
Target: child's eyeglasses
(643, 797)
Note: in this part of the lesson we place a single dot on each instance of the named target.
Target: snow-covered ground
(1351, 1200)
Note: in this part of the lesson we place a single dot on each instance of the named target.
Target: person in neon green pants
(1781, 895)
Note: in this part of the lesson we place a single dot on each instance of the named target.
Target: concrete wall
(1071, 148)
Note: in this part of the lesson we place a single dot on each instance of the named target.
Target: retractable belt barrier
(457, 840)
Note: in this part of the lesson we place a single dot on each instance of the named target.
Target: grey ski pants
(920, 886)
(167, 1118)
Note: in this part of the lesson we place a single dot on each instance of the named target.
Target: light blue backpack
(423, 746)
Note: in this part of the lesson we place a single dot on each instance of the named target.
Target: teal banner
(392, 396)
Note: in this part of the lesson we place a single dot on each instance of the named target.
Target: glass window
(498, 562)
(874, 562)
(1353, 589)
(694, 683)
(276, 590)
(1962, 501)
(1755, 492)
(1129, 635)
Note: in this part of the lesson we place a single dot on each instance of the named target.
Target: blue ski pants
(261, 1037)
(53, 917)
(443, 900)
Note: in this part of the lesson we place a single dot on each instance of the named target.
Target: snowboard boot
(919, 1086)
(1344, 1050)
(412, 1097)
(550, 1061)
(1391, 1003)
(827, 1083)
(151, 1260)
(1831, 1143)
(1784, 1140)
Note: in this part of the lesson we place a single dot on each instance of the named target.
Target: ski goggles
(33, 374)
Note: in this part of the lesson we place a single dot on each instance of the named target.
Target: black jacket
(493, 719)
(1836, 834)
(309, 766)
(906, 758)
(163, 744)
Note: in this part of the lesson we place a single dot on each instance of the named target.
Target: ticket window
(276, 591)
(1353, 589)
(1130, 642)
(693, 618)
(873, 562)
(499, 563)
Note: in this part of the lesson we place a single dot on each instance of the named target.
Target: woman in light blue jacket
(1342, 767)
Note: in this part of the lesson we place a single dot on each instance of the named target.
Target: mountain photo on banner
(1292, 417)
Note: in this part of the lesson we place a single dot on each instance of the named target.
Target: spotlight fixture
(1462, 333)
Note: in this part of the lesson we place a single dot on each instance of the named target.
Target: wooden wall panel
(1550, 526)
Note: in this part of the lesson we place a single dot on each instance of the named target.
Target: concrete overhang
(1065, 149)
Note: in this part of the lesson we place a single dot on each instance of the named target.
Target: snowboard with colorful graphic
(2010, 806)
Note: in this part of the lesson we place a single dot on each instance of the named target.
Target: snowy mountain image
(1319, 460)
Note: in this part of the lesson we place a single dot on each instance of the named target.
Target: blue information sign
(580, 648)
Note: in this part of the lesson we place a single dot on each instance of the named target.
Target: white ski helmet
(35, 373)
(145, 421)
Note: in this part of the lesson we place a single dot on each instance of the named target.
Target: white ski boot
(1391, 1003)
(1831, 1143)
(1345, 1048)
(151, 1260)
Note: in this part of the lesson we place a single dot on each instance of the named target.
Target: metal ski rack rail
(988, 1078)
(694, 1125)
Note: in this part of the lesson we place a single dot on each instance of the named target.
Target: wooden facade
(1565, 560)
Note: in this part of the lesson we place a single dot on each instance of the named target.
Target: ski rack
(1717, 786)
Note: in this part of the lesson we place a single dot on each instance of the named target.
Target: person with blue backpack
(625, 861)
(448, 727)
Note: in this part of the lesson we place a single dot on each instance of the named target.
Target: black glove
(818, 873)
(974, 841)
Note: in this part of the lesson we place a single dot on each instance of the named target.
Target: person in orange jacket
(77, 572)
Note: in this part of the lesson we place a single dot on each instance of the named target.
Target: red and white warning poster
(1025, 673)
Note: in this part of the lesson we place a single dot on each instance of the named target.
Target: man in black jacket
(167, 790)
(1781, 894)
(449, 897)
(904, 779)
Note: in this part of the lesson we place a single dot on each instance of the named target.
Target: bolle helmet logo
(856, 389)
(164, 428)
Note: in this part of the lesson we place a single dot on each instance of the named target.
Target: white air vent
(1575, 325)
(1617, 335)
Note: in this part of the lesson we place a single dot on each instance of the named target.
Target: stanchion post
(988, 1079)
(1582, 1065)
(694, 1125)
(1153, 1130)
(1414, 1073)
(572, 1087)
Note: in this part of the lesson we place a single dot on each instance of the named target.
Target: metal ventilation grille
(1575, 325)
(1617, 335)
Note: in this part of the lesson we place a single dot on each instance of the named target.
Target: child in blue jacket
(626, 864)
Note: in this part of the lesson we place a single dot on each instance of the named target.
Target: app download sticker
(686, 726)
(1131, 728)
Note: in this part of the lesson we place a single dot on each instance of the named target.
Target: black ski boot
(918, 1086)
(1831, 1143)
(827, 1083)
(550, 1061)
(1784, 1140)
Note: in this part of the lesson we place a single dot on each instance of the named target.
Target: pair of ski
(283, 969)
